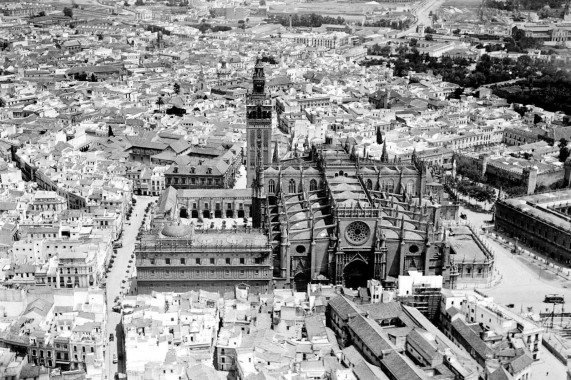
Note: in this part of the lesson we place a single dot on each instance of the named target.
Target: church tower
(258, 124)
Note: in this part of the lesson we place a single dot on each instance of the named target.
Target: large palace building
(541, 221)
(321, 214)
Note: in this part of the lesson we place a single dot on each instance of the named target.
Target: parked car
(116, 308)
(115, 359)
(111, 337)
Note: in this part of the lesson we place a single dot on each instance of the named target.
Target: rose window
(357, 233)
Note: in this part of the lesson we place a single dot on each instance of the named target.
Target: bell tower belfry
(258, 124)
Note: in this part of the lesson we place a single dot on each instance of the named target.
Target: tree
(160, 102)
(262, 3)
(174, 110)
(42, 14)
(456, 32)
(429, 37)
(68, 12)
(126, 3)
(139, 3)
(379, 136)
(413, 42)
(110, 132)
(176, 88)
(563, 150)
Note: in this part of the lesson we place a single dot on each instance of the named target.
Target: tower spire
(258, 124)
(276, 157)
(384, 155)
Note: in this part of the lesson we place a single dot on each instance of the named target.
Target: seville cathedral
(320, 214)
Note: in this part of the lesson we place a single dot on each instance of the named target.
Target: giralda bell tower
(258, 124)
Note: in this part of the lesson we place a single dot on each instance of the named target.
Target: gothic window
(357, 232)
(292, 188)
(312, 185)
(272, 186)
(390, 186)
(410, 187)
(369, 184)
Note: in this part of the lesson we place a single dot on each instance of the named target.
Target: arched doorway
(241, 214)
(356, 274)
(206, 214)
(300, 282)
(195, 214)
(183, 212)
(218, 213)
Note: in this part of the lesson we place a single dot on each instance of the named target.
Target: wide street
(422, 12)
(524, 284)
(115, 280)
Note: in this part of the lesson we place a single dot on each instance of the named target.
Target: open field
(462, 3)
(337, 7)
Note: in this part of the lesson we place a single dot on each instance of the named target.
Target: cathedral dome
(174, 230)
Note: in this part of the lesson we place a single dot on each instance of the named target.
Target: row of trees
(308, 20)
(546, 84)
(473, 190)
(534, 5)
(470, 172)
(388, 23)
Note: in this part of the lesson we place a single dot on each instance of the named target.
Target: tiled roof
(395, 364)
(369, 332)
(521, 363)
(472, 338)
(343, 307)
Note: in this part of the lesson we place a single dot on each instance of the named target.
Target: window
(183, 261)
(291, 187)
(271, 186)
(312, 185)
(242, 272)
(198, 261)
(228, 260)
(242, 260)
(212, 261)
(257, 260)
(168, 261)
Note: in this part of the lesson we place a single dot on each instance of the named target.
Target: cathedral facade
(320, 214)
(335, 218)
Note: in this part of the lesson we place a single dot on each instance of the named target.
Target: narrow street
(117, 278)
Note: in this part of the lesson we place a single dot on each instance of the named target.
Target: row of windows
(217, 206)
(202, 261)
(198, 273)
(193, 181)
(193, 170)
(292, 188)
